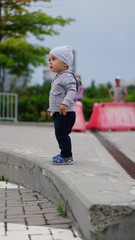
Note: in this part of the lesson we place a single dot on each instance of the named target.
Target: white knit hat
(64, 54)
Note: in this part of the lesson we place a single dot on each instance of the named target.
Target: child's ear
(65, 65)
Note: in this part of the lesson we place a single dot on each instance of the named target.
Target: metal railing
(9, 106)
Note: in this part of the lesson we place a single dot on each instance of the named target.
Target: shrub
(30, 108)
(88, 105)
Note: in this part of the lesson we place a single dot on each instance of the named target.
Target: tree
(16, 54)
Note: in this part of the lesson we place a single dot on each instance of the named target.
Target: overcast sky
(103, 37)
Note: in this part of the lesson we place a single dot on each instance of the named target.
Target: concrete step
(97, 191)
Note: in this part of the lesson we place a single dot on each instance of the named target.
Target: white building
(128, 83)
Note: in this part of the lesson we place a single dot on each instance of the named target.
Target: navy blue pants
(63, 127)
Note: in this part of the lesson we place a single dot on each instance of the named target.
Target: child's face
(56, 65)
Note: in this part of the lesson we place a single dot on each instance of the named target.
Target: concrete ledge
(18, 123)
(93, 220)
(42, 179)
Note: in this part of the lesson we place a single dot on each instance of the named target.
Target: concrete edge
(42, 178)
(29, 124)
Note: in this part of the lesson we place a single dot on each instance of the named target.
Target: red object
(80, 124)
(113, 116)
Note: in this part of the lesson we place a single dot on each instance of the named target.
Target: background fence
(8, 106)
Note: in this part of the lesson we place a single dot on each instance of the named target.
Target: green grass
(62, 210)
(4, 179)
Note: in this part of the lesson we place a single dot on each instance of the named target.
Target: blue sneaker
(62, 161)
(56, 156)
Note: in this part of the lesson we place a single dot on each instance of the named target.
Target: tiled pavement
(26, 215)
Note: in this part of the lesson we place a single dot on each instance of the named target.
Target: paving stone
(49, 210)
(27, 217)
(15, 217)
(59, 221)
(13, 193)
(62, 234)
(31, 201)
(15, 220)
(34, 209)
(32, 216)
(53, 216)
(16, 236)
(2, 217)
(41, 237)
(60, 226)
(17, 227)
(2, 231)
(30, 204)
(14, 211)
(2, 224)
(38, 229)
(36, 221)
(13, 202)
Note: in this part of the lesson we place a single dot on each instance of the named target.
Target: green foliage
(102, 91)
(30, 108)
(90, 92)
(36, 89)
(131, 89)
(93, 95)
(33, 103)
(16, 23)
(62, 210)
(131, 97)
(88, 105)
(96, 92)
(17, 54)
(4, 179)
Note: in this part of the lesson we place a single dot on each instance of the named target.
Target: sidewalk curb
(43, 179)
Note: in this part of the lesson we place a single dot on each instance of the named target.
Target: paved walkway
(27, 215)
(97, 191)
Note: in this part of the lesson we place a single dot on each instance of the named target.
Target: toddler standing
(61, 101)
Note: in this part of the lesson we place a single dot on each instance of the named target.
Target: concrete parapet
(101, 219)
(45, 181)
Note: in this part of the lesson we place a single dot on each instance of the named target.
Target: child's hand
(63, 109)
